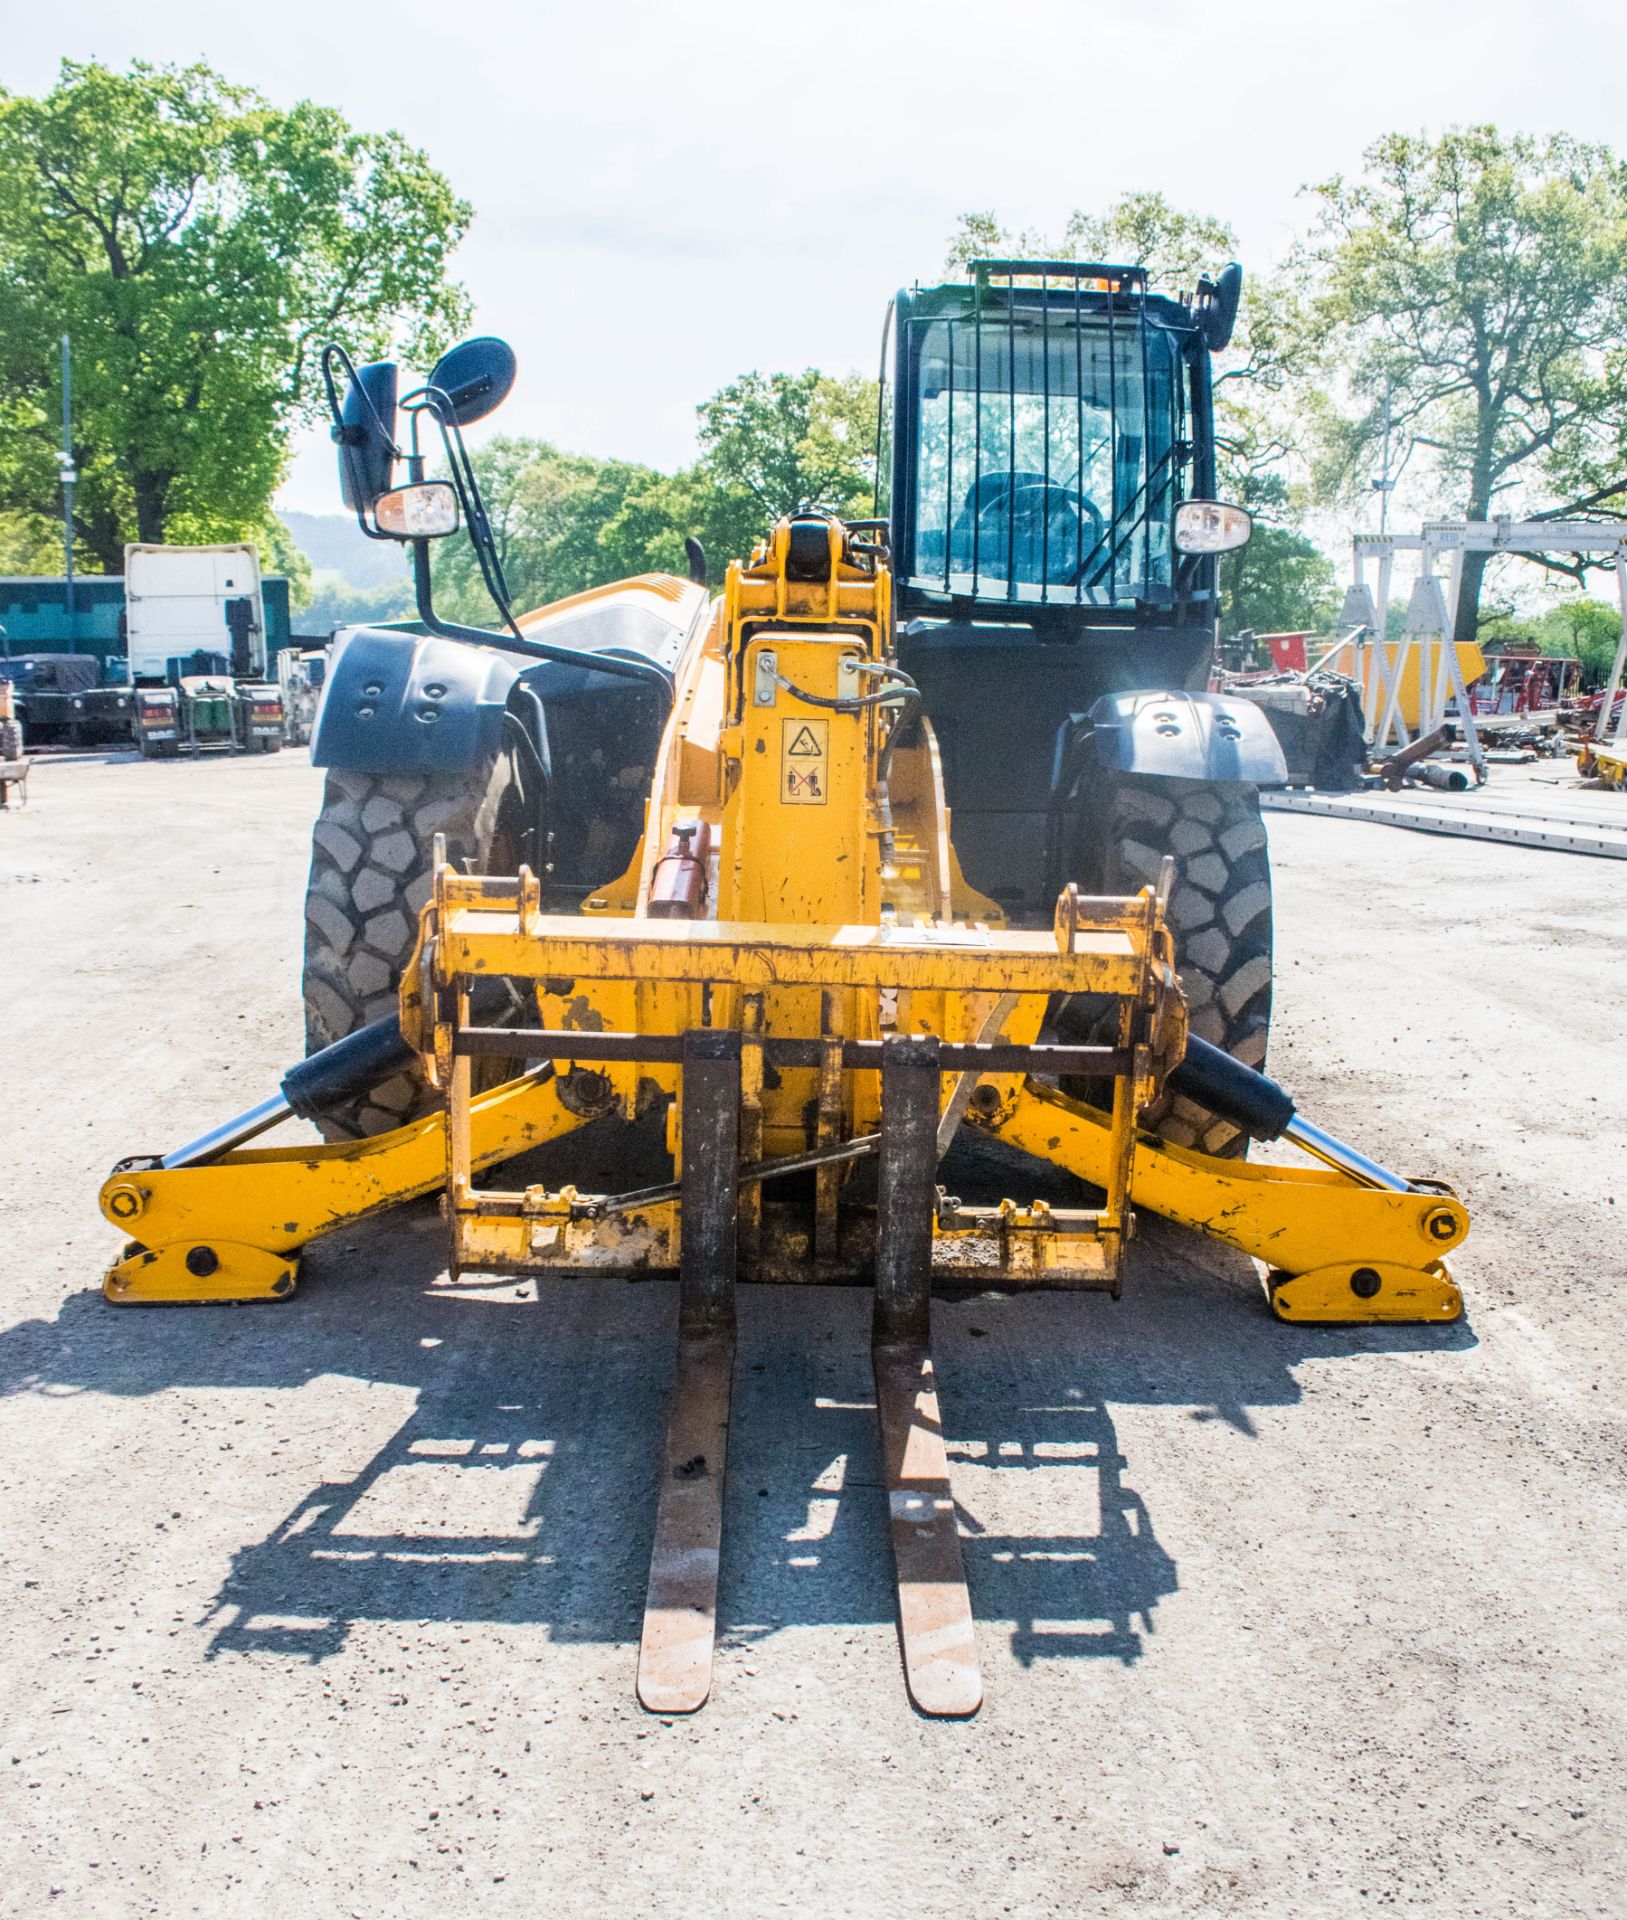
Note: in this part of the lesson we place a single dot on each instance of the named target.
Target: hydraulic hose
(899, 691)
(375, 1053)
(616, 666)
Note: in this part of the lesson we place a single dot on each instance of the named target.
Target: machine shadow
(522, 1488)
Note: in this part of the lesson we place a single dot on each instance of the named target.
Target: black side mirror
(1216, 307)
(366, 435)
(475, 377)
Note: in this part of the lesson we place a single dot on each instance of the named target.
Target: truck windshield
(1046, 462)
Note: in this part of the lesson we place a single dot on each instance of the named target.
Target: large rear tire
(1219, 911)
(370, 874)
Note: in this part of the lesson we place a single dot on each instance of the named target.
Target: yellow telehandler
(647, 852)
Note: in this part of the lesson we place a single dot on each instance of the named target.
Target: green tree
(1281, 582)
(330, 602)
(1138, 230)
(1475, 284)
(29, 544)
(566, 521)
(1502, 627)
(198, 245)
(551, 515)
(1586, 628)
(771, 443)
(281, 553)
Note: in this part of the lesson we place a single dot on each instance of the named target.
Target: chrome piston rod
(1335, 1153)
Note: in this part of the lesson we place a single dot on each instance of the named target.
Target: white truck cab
(184, 601)
(195, 629)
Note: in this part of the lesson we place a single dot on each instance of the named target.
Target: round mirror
(475, 376)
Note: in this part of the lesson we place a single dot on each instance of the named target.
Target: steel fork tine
(680, 1607)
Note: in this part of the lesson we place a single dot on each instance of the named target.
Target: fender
(397, 702)
(1185, 736)
(404, 703)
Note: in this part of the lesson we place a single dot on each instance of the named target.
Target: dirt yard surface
(331, 1607)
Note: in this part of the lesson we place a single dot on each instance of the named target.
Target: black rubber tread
(370, 874)
(11, 740)
(1219, 911)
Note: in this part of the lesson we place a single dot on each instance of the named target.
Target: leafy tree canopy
(1139, 230)
(550, 516)
(771, 443)
(330, 601)
(1576, 627)
(566, 521)
(1281, 582)
(198, 245)
(1479, 281)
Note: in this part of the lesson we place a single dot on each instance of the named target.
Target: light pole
(69, 474)
(1384, 484)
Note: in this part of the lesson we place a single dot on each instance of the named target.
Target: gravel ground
(331, 1607)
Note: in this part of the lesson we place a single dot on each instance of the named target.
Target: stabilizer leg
(680, 1607)
(934, 1608)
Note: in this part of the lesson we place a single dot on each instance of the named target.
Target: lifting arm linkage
(1338, 1247)
(229, 1229)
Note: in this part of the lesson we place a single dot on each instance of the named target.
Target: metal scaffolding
(1426, 642)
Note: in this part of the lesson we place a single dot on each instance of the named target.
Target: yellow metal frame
(1605, 761)
(1313, 1228)
(836, 914)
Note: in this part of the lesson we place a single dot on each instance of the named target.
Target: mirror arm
(474, 514)
(1203, 578)
(439, 404)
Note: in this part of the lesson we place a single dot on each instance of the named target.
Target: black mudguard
(1184, 736)
(404, 703)
(585, 742)
(398, 702)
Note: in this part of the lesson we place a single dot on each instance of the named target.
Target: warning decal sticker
(804, 758)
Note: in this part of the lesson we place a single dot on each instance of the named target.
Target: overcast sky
(667, 195)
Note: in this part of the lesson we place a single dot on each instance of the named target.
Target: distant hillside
(333, 543)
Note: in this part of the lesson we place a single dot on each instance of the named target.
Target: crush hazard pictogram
(804, 754)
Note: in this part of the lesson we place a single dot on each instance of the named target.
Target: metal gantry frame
(1432, 615)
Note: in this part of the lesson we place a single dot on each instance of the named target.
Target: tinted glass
(1045, 462)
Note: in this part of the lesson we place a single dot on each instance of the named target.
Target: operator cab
(1053, 524)
(1049, 420)
(1033, 445)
